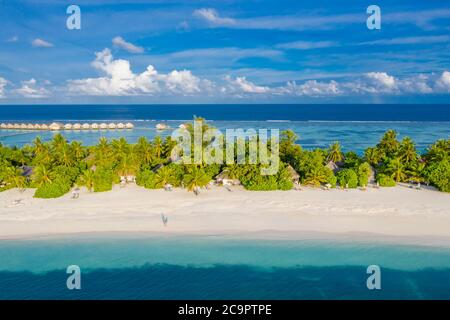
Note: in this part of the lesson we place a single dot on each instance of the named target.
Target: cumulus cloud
(212, 17)
(443, 83)
(121, 43)
(41, 43)
(312, 88)
(242, 85)
(119, 80)
(381, 81)
(3, 83)
(31, 89)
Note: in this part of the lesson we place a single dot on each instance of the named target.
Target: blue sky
(228, 51)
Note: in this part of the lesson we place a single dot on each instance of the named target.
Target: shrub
(385, 181)
(439, 175)
(347, 178)
(332, 179)
(103, 179)
(364, 172)
(147, 179)
(55, 189)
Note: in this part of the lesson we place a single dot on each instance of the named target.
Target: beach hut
(76, 126)
(129, 125)
(120, 125)
(94, 126)
(30, 126)
(103, 126)
(225, 179)
(112, 126)
(86, 126)
(332, 166)
(55, 126)
(37, 126)
(294, 175)
(68, 126)
(3, 125)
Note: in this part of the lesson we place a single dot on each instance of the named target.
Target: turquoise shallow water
(353, 135)
(144, 267)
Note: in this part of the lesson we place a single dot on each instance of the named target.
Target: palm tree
(157, 146)
(389, 143)
(144, 148)
(14, 176)
(127, 165)
(196, 179)
(315, 176)
(397, 169)
(165, 176)
(334, 153)
(41, 175)
(120, 147)
(103, 152)
(38, 146)
(87, 179)
(77, 150)
(407, 150)
(373, 155)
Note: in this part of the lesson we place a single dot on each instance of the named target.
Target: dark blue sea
(317, 125)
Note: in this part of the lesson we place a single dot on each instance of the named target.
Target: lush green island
(55, 167)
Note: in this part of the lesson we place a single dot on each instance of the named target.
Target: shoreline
(397, 215)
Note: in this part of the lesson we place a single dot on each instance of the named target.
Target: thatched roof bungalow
(30, 126)
(3, 125)
(129, 125)
(294, 174)
(332, 166)
(112, 126)
(94, 126)
(86, 126)
(68, 126)
(120, 125)
(37, 126)
(23, 126)
(225, 179)
(103, 126)
(55, 126)
(76, 126)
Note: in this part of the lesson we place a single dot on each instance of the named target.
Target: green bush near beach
(56, 166)
(347, 178)
(385, 181)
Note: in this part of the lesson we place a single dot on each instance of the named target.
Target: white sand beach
(398, 212)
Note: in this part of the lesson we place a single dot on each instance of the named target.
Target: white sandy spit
(393, 212)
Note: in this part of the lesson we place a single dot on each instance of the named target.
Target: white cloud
(212, 17)
(443, 82)
(119, 80)
(242, 85)
(410, 40)
(41, 43)
(306, 45)
(312, 88)
(3, 83)
(121, 43)
(31, 89)
(380, 82)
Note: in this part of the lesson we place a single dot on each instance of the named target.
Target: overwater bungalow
(9, 126)
(37, 126)
(161, 126)
(86, 126)
(68, 126)
(120, 125)
(103, 126)
(44, 127)
(129, 125)
(94, 126)
(76, 126)
(112, 126)
(55, 126)
(30, 126)
(3, 125)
